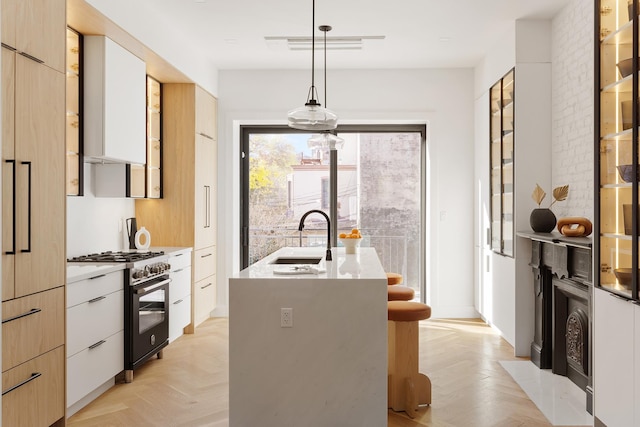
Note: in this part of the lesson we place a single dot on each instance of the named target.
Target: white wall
(442, 98)
(93, 224)
(572, 107)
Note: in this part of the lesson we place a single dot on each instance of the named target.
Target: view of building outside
(378, 192)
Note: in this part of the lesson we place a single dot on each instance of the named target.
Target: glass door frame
(246, 130)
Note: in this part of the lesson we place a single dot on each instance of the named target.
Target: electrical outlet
(286, 317)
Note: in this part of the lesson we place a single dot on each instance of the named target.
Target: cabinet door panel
(206, 106)
(205, 192)
(9, 11)
(8, 153)
(40, 160)
(613, 359)
(39, 402)
(204, 299)
(41, 30)
(180, 317)
(32, 332)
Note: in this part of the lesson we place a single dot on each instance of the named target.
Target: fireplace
(571, 326)
(562, 293)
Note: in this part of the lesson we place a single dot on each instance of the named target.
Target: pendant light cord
(313, 47)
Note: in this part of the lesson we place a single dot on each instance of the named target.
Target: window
(380, 190)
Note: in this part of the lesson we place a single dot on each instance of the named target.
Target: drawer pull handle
(19, 316)
(20, 384)
(98, 344)
(96, 299)
(178, 271)
(206, 286)
(206, 255)
(178, 302)
(178, 255)
(97, 277)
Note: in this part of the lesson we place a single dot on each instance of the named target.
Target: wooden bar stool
(399, 293)
(394, 279)
(407, 387)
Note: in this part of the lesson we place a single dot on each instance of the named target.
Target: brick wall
(572, 108)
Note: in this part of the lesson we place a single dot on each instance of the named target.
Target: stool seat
(407, 311)
(394, 278)
(399, 293)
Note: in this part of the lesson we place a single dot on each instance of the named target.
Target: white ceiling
(418, 33)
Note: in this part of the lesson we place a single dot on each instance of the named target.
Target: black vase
(542, 220)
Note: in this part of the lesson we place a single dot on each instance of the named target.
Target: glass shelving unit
(502, 117)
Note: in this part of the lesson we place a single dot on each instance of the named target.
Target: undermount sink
(296, 260)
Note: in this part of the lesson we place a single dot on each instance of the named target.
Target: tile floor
(560, 400)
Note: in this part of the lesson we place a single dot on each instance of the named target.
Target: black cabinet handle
(206, 286)
(13, 209)
(97, 277)
(178, 271)
(29, 210)
(31, 57)
(205, 255)
(20, 316)
(98, 344)
(20, 384)
(97, 299)
(178, 302)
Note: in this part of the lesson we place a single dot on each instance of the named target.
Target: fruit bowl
(350, 244)
(351, 241)
(624, 276)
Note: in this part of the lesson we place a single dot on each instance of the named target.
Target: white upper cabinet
(114, 102)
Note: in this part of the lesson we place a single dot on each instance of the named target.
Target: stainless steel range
(146, 321)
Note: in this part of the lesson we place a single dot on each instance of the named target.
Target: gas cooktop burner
(115, 257)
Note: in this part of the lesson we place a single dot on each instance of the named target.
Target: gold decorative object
(605, 10)
(604, 32)
(559, 194)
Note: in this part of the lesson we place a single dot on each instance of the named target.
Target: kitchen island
(328, 364)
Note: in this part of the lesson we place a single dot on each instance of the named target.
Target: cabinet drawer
(88, 289)
(32, 325)
(93, 320)
(204, 298)
(180, 261)
(180, 316)
(180, 284)
(92, 367)
(40, 400)
(204, 263)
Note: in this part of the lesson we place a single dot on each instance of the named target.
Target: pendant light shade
(312, 116)
(325, 140)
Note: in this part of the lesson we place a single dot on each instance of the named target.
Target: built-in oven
(146, 330)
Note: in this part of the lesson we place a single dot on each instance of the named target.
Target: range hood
(114, 103)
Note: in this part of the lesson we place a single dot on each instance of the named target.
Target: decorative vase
(542, 220)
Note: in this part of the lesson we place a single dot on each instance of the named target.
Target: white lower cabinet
(95, 334)
(179, 293)
(615, 360)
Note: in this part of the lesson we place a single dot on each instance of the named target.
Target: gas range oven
(146, 303)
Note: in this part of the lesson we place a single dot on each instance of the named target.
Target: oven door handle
(152, 287)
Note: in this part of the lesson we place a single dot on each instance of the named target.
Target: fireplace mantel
(563, 286)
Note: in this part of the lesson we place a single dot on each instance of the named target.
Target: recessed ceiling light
(231, 41)
(445, 39)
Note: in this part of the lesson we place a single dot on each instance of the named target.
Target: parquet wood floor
(190, 386)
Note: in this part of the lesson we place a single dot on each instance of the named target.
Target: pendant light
(312, 116)
(326, 138)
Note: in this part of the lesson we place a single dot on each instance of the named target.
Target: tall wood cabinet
(33, 206)
(186, 215)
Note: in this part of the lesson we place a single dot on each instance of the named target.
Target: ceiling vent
(333, 43)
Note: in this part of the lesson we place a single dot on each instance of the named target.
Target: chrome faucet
(301, 226)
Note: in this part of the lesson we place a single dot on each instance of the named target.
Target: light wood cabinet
(34, 196)
(33, 206)
(31, 326)
(186, 215)
(36, 28)
(33, 392)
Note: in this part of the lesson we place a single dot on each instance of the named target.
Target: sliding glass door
(380, 190)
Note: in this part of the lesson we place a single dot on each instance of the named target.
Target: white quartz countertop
(171, 250)
(81, 271)
(364, 264)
